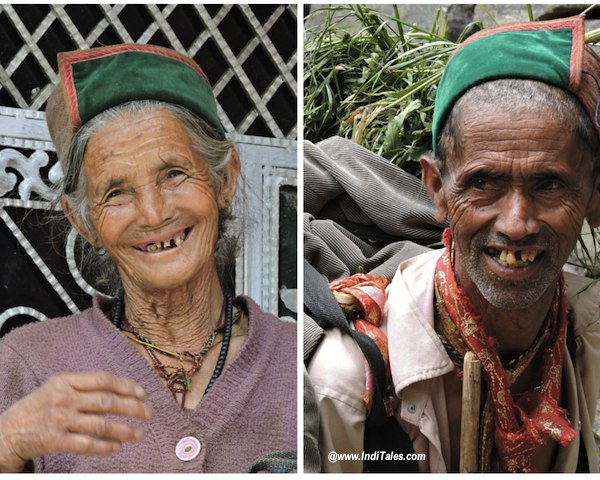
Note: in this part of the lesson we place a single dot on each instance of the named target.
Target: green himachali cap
(94, 80)
(552, 52)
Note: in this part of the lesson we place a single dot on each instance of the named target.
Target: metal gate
(248, 53)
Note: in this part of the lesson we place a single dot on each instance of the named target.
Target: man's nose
(517, 217)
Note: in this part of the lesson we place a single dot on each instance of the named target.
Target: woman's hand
(67, 415)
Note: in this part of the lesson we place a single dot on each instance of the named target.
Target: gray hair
(515, 95)
(205, 139)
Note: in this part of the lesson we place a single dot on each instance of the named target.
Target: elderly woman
(174, 375)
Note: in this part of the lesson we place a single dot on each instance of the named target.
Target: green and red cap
(94, 80)
(553, 52)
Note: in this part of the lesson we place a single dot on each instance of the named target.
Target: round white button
(187, 448)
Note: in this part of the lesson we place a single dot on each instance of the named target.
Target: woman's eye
(174, 173)
(116, 197)
(114, 194)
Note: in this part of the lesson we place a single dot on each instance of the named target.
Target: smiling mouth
(514, 258)
(167, 244)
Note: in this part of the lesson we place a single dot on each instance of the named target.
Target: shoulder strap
(322, 306)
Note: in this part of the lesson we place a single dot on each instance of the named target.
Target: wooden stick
(469, 423)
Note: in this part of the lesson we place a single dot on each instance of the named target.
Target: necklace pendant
(179, 383)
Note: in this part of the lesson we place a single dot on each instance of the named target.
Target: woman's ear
(432, 180)
(76, 224)
(232, 171)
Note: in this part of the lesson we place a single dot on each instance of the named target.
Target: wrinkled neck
(178, 319)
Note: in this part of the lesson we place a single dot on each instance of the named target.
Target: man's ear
(432, 180)
(593, 211)
(232, 171)
(76, 224)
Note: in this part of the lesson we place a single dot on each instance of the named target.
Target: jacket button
(187, 449)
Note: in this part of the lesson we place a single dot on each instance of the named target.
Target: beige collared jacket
(418, 362)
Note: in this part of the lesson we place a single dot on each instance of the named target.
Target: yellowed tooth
(528, 255)
(510, 258)
(152, 248)
(178, 241)
(503, 256)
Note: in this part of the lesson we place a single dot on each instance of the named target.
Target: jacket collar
(416, 353)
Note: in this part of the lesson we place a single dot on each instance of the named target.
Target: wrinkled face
(515, 201)
(152, 200)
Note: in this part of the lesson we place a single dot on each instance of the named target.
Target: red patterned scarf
(516, 427)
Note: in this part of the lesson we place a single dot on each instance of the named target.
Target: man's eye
(550, 185)
(480, 183)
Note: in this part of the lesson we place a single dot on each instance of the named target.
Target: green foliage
(372, 78)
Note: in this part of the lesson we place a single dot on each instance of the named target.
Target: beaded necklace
(179, 379)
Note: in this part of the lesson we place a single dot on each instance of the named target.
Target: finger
(111, 403)
(82, 444)
(90, 381)
(47, 441)
(100, 427)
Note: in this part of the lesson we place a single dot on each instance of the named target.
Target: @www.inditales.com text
(379, 455)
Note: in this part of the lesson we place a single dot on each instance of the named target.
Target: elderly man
(515, 173)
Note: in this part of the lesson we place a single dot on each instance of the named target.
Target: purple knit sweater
(249, 412)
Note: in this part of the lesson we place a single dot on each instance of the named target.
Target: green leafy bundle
(372, 78)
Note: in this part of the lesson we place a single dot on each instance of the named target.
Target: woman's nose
(152, 205)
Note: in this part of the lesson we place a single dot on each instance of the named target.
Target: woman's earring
(100, 251)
